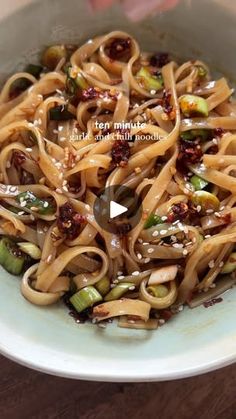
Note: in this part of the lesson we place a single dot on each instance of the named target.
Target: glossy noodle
(60, 146)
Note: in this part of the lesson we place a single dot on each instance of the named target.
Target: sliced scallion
(118, 291)
(30, 249)
(198, 183)
(202, 71)
(152, 220)
(192, 105)
(75, 80)
(203, 134)
(34, 69)
(30, 201)
(103, 286)
(148, 80)
(60, 113)
(53, 55)
(206, 200)
(230, 264)
(85, 298)
(11, 257)
(159, 291)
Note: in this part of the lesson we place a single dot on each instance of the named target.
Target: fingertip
(96, 5)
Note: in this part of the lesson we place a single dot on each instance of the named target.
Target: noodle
(61, 145)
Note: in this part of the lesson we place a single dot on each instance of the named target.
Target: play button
(117, 209)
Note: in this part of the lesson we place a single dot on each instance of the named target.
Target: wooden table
(26, 394)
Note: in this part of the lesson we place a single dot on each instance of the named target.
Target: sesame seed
(212, 285)
(132, 288)
(29, 149)
(139, 256)
(32, 217)
(60, 128)
(215, 141)
(58, 165)
(23, 203)
(145, 244)
(21, 213)
(164, 218)
(175, 222)
(147, 260)
(211, 264)
(181, 227)
(64, 183)
(135, 273)
(180, 308)
(8, 165)
(185, 252)
(217, 214)
(102, 325)
(221, 264)
(222, 208)
(12, 188)
(62, 139)
(140, 241)
(185, 229)
(173, 238)
(199, 208)
(61, 175)
(58, 190)
(49, 258)
(163, 232)
(65, 188)
(41, 111)
(55, 131)
(188, 244)
(151, 250)
(177, 245)
(153, 92)
(119, 273)
(207, 236)
(121, 277)
(155, 233)
(46, 204)
(161, 321)
(209, 211)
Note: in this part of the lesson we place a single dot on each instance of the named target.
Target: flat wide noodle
(55, 149)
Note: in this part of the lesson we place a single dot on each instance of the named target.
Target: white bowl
(48, 339)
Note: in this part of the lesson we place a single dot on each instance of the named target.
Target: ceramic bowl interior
(48, 339)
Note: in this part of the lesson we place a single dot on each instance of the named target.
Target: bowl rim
(28, 353)
(53, 362)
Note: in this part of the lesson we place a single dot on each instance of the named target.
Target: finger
(139, 9)
(100, 4)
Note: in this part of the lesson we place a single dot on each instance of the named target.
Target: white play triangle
(116, 209)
